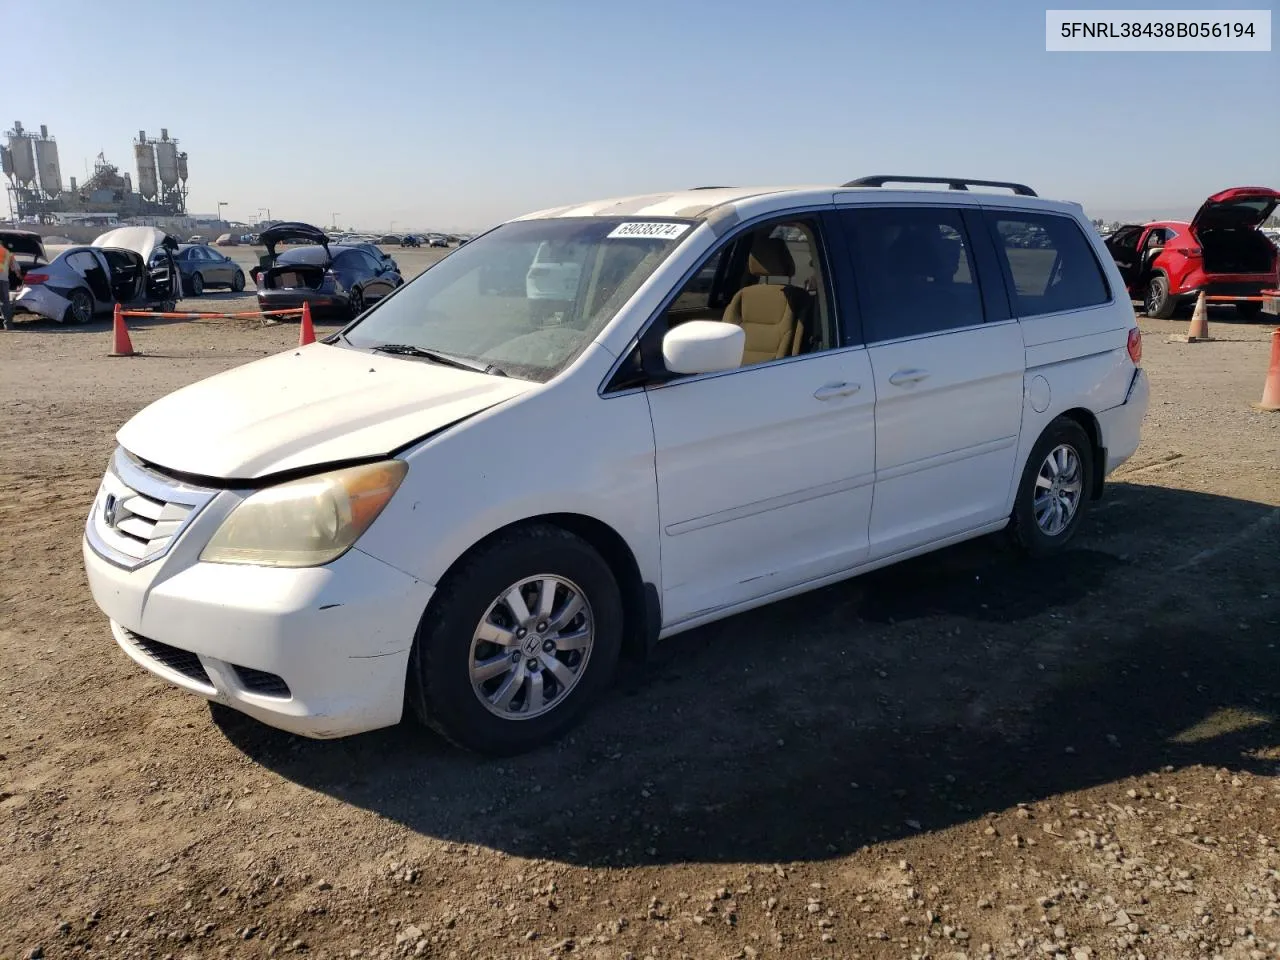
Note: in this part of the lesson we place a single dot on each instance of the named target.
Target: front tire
(1158, 302)
(1055, 489)
(522, 636)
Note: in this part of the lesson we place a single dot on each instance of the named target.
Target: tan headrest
(770, 257)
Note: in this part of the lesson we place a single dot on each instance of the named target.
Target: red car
(1221, 251)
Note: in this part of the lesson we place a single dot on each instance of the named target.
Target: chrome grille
(138, 512)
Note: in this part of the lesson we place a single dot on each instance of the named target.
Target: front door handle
(905, 378)
(830, 390)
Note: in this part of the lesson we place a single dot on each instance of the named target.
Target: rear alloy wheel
(237, 282)
(80, 309)
(520, 639)
(356, 299)
(197, 285)
(1158, 303)
(1056, 485)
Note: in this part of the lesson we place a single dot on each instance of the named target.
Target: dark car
(337, 281)
(410, 240)
(202, 266)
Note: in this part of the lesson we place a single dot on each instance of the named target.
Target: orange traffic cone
(1198, 331)
(307, 334)
(1271, 389)
(123, 346)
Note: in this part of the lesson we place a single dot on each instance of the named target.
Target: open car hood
(24, 241)
(306, 407)
(1237, 207)
(293, 231)
(141, 240)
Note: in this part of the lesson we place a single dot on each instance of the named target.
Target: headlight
(307, 522)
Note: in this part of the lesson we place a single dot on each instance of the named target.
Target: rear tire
(356, 300)
(443, 688)
(1158, 302)
(1249, 311)
(80, 309)
(237, 282)
(197, 285)
(1055, 489)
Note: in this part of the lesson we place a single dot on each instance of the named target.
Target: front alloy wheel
(520, 638)
(531, 647)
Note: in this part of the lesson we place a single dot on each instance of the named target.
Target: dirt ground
(965, 755)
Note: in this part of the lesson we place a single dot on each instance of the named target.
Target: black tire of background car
(1158, 303)
(439, 688)
(237, 282)
(356, 301)
(79, 309)
(1023, 529)
(197, 284)
(1249, 310)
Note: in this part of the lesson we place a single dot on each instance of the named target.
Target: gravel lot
(966, 755)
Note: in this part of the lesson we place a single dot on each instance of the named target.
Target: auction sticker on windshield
(648, 231)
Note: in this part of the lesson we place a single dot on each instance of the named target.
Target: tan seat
(772, 316)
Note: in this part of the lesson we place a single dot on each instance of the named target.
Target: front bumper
(1121, 426)
(319, 651)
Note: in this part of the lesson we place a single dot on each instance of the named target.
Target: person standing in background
(8, 269)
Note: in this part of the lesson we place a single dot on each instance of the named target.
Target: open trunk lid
(1238, 207)
(24, 242)
(292, 232)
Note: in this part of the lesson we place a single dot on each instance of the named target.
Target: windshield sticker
(647, 231)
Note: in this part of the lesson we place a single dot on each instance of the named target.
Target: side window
(769, 281)
(914, 270)
(1049, 261)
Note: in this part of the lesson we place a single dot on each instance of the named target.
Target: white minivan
(466, 506)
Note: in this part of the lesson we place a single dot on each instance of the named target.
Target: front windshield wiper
(408, 350)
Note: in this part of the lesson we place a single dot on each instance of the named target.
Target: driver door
(1123, 246)
(765, 472)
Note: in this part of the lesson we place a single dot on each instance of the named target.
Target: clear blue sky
(458, 114)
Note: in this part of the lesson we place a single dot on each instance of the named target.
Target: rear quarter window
(1049, 264)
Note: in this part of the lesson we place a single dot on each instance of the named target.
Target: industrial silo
(145, 156)
(47, 166)
(182, 166)
(167, 159)
(24, 164)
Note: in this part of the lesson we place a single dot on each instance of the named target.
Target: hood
(1238, 207)
(23, 241)
(141, 240)
(310, 406)
(291, 231)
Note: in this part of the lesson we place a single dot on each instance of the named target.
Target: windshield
(527, 297)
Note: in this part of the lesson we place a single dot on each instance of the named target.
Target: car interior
(127, 274)
(768, 282)
(87, 265)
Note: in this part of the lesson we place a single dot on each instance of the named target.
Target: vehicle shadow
(914, 698)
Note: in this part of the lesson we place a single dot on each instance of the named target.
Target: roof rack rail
(709, 188)
(953, 183)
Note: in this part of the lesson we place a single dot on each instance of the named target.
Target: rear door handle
(904, 378)
(830, 390)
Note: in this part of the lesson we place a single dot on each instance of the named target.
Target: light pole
(333, 221)
(221, 204)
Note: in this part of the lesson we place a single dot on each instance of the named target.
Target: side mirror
(704, 346)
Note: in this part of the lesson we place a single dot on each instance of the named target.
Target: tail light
(1191, 252)
(31, 279)
(1135, 346)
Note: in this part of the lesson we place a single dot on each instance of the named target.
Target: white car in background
(131, 266)
(469, 504)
